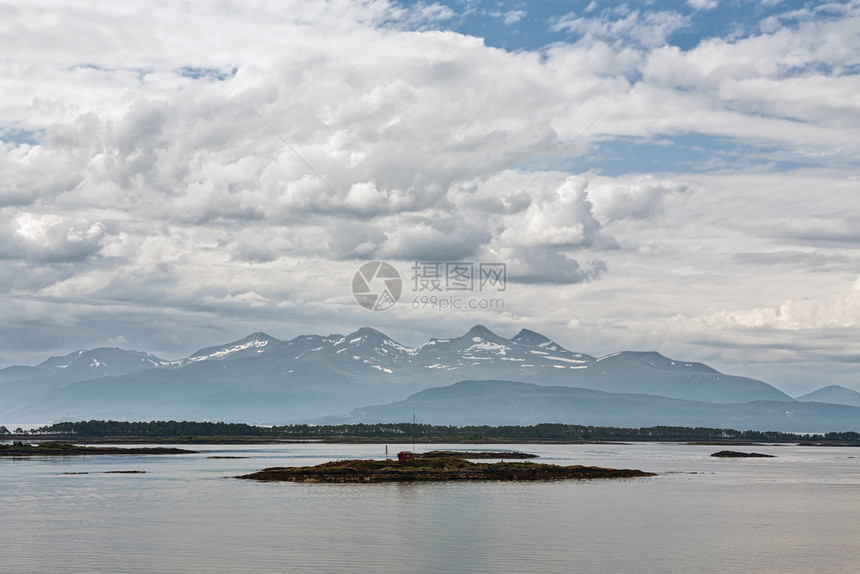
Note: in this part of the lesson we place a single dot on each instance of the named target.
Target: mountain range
(513, 403)
(480, 376)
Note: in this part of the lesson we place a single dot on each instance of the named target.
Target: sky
(672, 176)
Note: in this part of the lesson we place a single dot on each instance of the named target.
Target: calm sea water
(799, 512)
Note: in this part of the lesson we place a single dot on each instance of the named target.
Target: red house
(404, 455)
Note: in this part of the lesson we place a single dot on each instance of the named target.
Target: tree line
(424, 432)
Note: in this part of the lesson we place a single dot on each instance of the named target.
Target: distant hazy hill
(264, 379)
(833, 394)
(513, 403)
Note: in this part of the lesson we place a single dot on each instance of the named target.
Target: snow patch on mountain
(566, 360)
(254, 343)
(481, 345)
(230, 350)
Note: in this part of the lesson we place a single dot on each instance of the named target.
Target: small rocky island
(736, 454)
(69, 449)
(435, 468)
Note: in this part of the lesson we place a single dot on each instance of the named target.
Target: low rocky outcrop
(68, 449)
(435, 469)
(736, 454)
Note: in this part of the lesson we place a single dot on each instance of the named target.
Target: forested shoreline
(549, 432)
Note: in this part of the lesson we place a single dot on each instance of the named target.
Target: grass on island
(474, 455)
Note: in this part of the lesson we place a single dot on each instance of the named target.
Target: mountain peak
(259, 336)
(529, 337)
(836, 388)
(257, 341)
(833, 394)
(363, 335)
(61, 361)
(652, 360)
(96, 358)
(482, 332)
(368, 332)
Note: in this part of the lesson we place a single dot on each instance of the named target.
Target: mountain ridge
(260, 378)
(496, 403)
(528, 356)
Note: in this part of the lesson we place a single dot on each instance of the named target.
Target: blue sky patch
(691, 152)
(19, 136)
(200, 73)
(516, 25)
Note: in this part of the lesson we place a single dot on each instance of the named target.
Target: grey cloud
(819, 260)
(21, 276)
(832, 229)
(442, 237)
(356, 239)
(262, 243)
(644, 197)
(252, 251)
(531, 265)
(50, 238)
(558, 215)
(33, 173)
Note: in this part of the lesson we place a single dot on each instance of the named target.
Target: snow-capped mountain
(81, 365)
(105, 361)
(264, 379)
(481, 346)
(253, 345)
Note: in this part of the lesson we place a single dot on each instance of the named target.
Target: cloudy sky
(672, 176)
